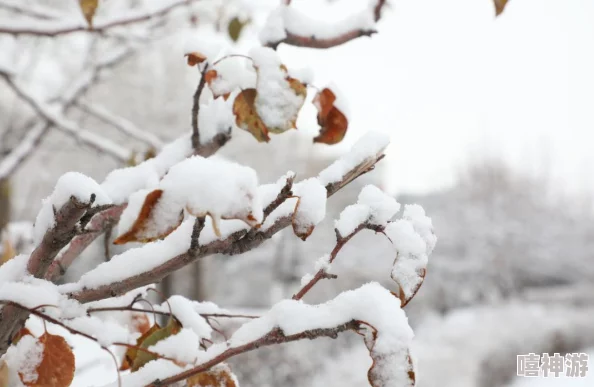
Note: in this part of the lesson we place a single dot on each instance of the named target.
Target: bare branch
(340, 243)
(275, 336)
(95, 141)
(62, 27)
(196, 108)
(23, 150)
(120, 123)
(237, 243)
(132, 309)
(97, 225)
(37, 10)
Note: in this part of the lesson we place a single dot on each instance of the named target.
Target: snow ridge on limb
(288, 25)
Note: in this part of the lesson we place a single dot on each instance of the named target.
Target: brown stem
(133, 309)
(196, 109)
(276, 336)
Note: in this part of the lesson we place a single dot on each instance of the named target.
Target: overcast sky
(451, 83)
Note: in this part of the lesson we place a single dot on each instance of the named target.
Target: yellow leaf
(4, 376)
(88, 8)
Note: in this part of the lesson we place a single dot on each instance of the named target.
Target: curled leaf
(194, 58)
(392, 366)
(142, 229)
(131, 352)
(218, 376)
(56, 368)
(333, 123)
(88, 8)
(246, 116)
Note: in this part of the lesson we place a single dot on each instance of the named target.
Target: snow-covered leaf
(246, 116)
(142, 357)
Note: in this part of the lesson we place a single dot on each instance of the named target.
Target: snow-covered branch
(289, 26)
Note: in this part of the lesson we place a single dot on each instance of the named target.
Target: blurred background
(491, 123)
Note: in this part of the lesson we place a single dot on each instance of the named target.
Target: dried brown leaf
(218, 376)
(194, 58)
(499, 6)
(56, 368)
(333, 123)
(246, 116)
(88, 8)
(139, 230)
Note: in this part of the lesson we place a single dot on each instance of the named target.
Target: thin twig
(196, 109)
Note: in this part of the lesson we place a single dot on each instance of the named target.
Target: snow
(311, 207)
(73, 184)
(183, 346)
(151, 255)
(151, 371)
(106, 332)
(24, 358)
(215, 117)
(231, 192)
(294, 317)
(412, 256)
(185, 311)
(371, 145)
(210, 48)
(232, 73)
(373, 206)
(421, 224)
(123, 182)
(277, 103)
(269, 192)
(14, 269)
(323, 263)
(137, 260)
(289, 19)
(284, 210)
(133, 208)
(274, 29)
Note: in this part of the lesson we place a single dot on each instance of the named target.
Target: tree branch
(293, 38)
(121, 124)
(37, 10)
(275, 336)
(340, 243)
(196, 108)
(67, 219)
(61, 27)
(93, 140)
(237, 243)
